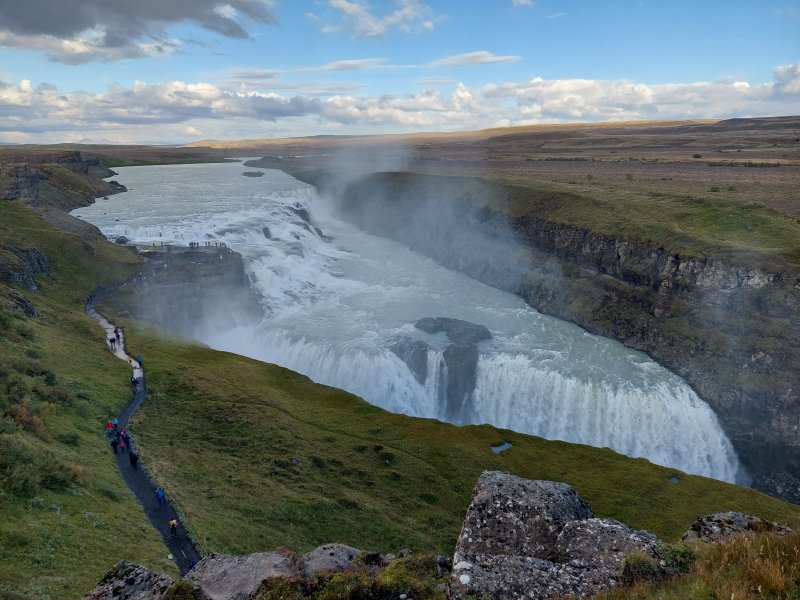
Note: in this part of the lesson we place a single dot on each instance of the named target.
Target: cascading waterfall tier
(372, 317)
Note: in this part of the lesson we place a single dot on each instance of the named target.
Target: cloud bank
(81, 31)
(166, 112)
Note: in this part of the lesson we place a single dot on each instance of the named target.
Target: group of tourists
(119, 439)
(115, 339)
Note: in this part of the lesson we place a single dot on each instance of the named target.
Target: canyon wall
(730, 330)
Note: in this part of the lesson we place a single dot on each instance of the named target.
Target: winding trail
(182, 549)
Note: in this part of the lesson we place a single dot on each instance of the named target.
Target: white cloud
(359, 64)
(518, 3)
(168, 112)
(557, 15)
(481, 57)
(410, 16)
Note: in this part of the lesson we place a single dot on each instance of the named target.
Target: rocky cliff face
(54, 183)
(732, 331)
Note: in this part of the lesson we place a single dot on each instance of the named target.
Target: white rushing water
(337, 300)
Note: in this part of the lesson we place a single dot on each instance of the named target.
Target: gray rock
(537, 540)
(603, 542)
(720, 527)
(224, 577)
(126, 581)
(509, 515)
(458, 331)
(329, 558)
(516, 577)
(122, 240)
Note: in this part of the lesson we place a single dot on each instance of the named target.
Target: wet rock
(253, 173)
(720, 527)
(329, 558)
(224, 577)
(537, 539)
(415, 354)
(127, 581)
(779, 484)
(122, 240)
(457, 331)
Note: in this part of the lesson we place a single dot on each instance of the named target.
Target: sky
(176, 71)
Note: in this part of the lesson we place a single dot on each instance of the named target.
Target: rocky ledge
(521, 539)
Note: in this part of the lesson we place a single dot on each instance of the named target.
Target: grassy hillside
(259, 456)
(65, 515)
(255, 455)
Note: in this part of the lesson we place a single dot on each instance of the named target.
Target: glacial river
(338, 302)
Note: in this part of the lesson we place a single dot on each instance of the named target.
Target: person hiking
(114, 444)
(160, 496)
(173, 527)
(116, 332)
(134, 458)
(125, 437)
(134, 383)
(122, 445)
(115, 422)
(139, 360)
(109, 425)
(113, 343)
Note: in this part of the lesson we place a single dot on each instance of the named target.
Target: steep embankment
(708, 289)
(65, 514)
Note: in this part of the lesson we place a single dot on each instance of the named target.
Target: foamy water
(336, 299)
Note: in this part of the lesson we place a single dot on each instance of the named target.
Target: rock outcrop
(126, 581)
(22, 266)
(720, 527)
(195, 291)
(224, 577)
(458, 374)
(537, 540)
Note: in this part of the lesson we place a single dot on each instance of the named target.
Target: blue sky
(171, 71)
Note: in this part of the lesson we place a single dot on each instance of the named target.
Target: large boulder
(224, 577)
(537, 539)
(720, 527)
(603, 542)
(126, 581)
(512, 516)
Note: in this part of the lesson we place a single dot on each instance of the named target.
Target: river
(341, 306)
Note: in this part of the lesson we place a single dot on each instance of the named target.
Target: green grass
(744, 568)
(712, 226)
(220, 431)
(65, 515)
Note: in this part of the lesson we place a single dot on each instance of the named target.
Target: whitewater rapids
(336, 299)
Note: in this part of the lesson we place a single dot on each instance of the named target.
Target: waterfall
(342, 306)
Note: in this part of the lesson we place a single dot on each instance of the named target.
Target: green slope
(65, 515)
(220, 432)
